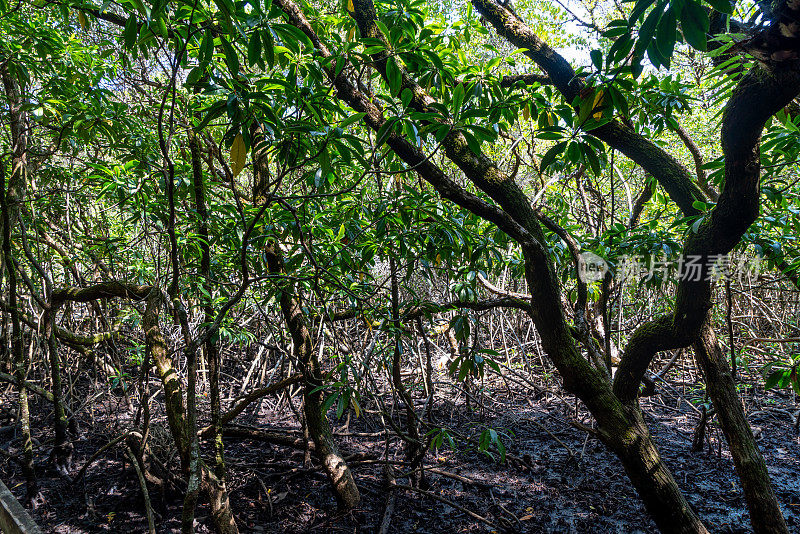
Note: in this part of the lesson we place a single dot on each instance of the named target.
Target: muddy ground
(558, 480)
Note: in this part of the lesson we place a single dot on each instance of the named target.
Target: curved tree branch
(672, 176)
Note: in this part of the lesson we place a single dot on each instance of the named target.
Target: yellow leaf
(550, 119)
(82, 20)
(350, 6)
(356, 407)
(238, 155)
(351, 33)
(526, 112)
(598, 103)
(526, 517)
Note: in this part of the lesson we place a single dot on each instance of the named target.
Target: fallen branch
(277, 438)
(30, 386)
(460, 478)
(244, 402)
(97, 454)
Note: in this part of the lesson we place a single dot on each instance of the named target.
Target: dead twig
(448, 502)
(151, 525)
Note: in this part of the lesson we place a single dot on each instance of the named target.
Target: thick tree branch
(528, 79)
(757, 97)
(672, 176)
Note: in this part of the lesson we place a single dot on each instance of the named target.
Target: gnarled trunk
(765, 512)
(325, 448)
(17, 352)
(221, 511)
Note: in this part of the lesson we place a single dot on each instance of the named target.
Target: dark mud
(574, 486)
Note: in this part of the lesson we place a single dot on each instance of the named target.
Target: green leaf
(655, 56)
(501, 449)
(666, 33)
(573, 152)
(472, 142)
(194, 75)
(590, 156)
(773, 379)
(352, 119)
(393, 76)
(597, 58)
(406, 96)
(254, 50)
(648, 28)
(620, 49)
(231, 58)
(695, 24)
(723, 6)
(639, 9)
(288, 31)
(344, 400)
(636, 66)
(227, 9)
(384, 131)
(131, 32)
(269, 46)
(212, 112)
(458, 99)
(794, 380)
(329, 402)
(551, 154)
(206, 47)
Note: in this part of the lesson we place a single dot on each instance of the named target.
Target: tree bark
(414, 450)
(765, 514)
(17, 349)
(221, 512)
(20, 133)
(325, 448)
(210, 346)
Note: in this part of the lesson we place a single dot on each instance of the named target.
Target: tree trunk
(325, 448)
(650, 476)
(621, 427)
(20, 133)
(765, 512)
(17, 350)
(317, 422)
(62, 448)
(221, 512)
(414, 449)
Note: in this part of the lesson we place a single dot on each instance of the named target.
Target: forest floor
(575, 486)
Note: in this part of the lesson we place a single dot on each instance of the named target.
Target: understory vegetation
(401, 266)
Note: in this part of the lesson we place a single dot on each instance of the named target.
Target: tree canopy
(208, 203)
